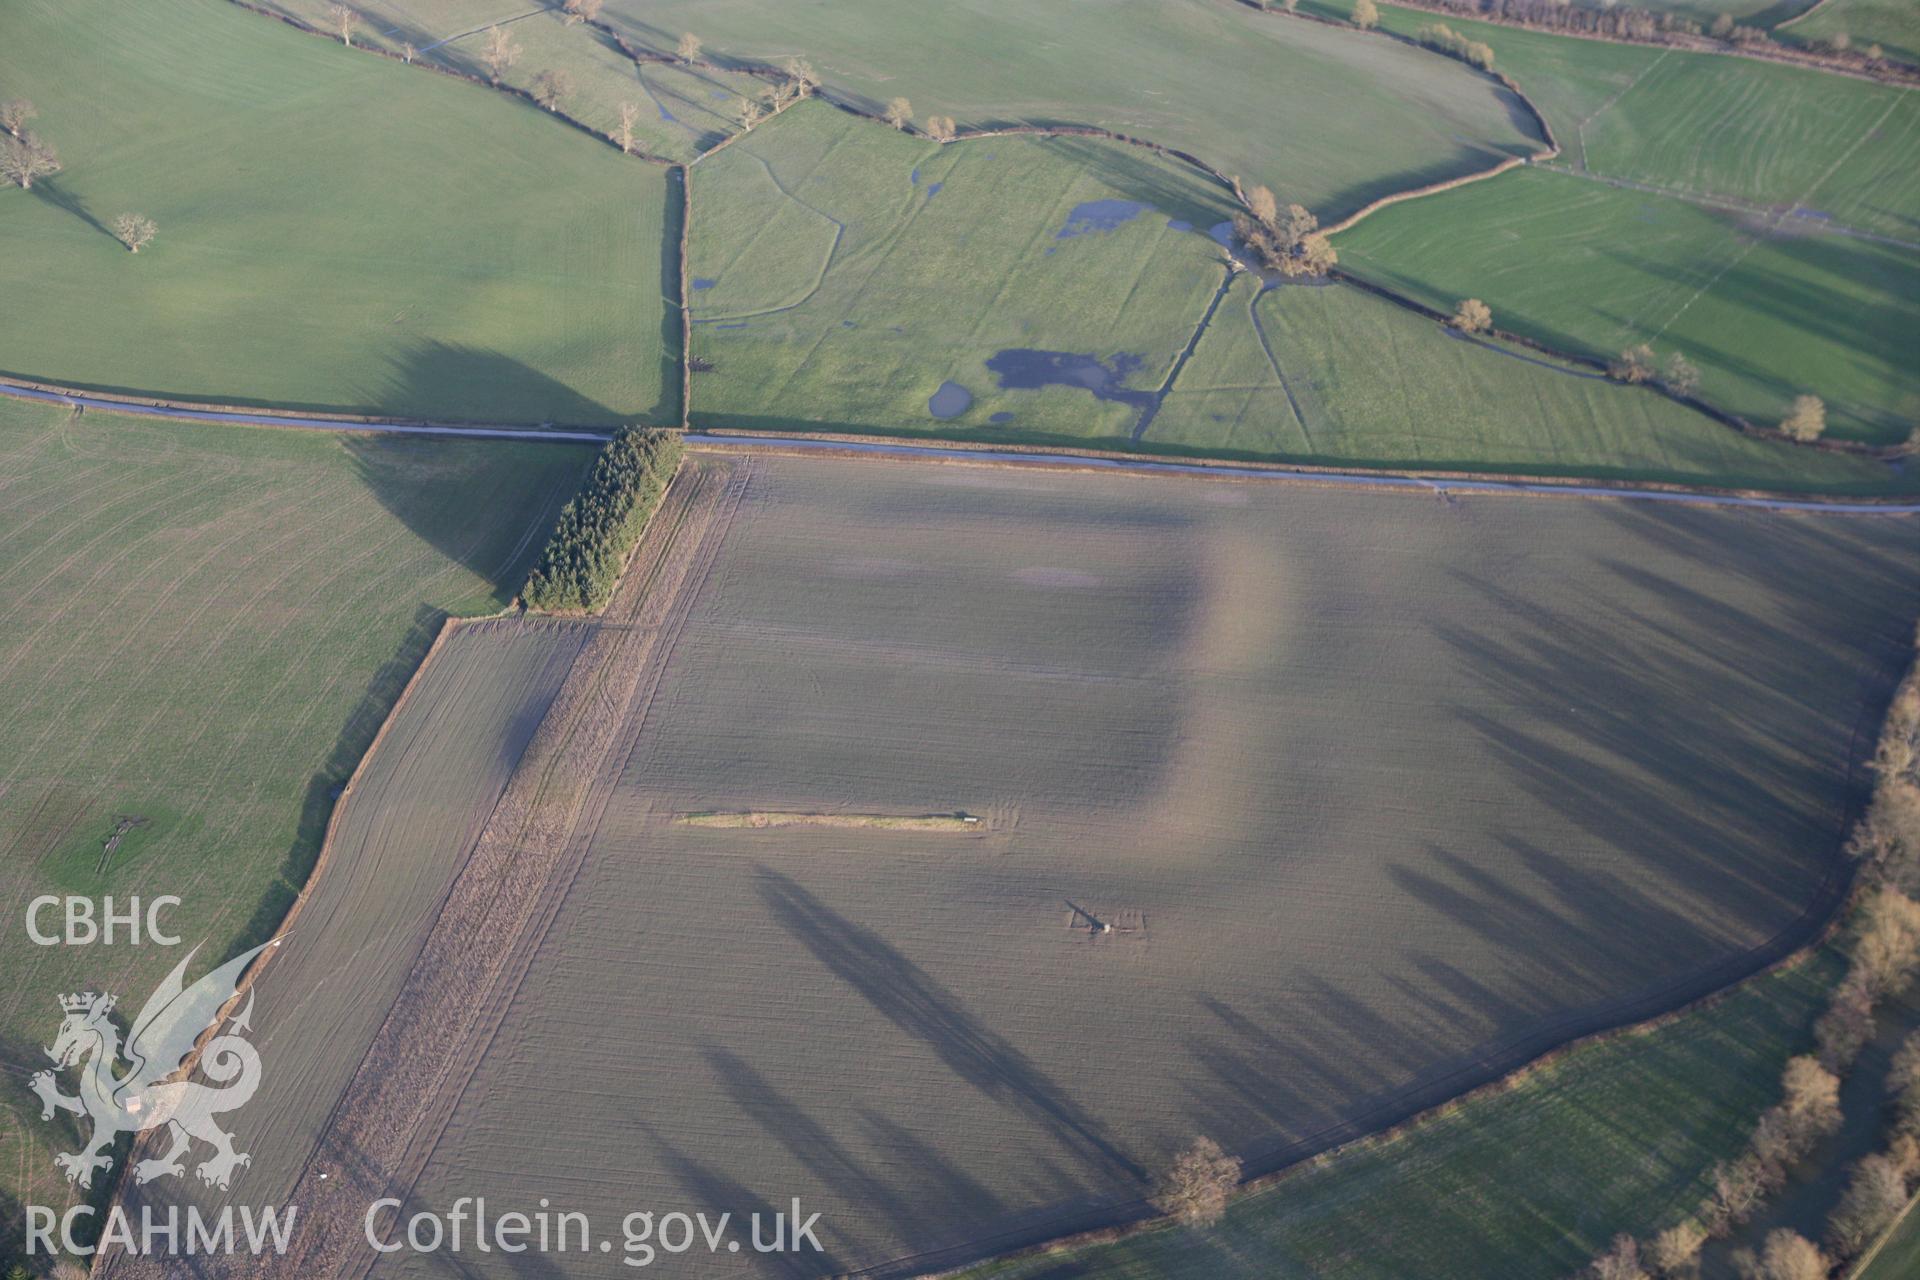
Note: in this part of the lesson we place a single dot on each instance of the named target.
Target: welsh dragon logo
(143, 1098)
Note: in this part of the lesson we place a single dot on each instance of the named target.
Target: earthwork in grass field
(846, 275)
(336, 230)
(1383, 795)
(1246, 92)
(205, 626)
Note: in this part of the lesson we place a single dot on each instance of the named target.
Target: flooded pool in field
(1027, 369)
(950, 401)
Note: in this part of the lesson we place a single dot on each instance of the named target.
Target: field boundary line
(1774, 52)
(1438, 483)
(1865, 1260)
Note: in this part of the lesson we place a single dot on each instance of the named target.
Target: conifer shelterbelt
(598, 529)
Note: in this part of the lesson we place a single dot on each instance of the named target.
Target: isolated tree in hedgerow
(500, 53)
(1194, 1189)
(629, 116)
(135, 230)
(1787, 1255)
(1472, 316)
(1634, 365)
(801, 75)
(1806, 420)
(408, 52)
(550, 86)
(899, 113)
(1262, 204)
(15, 114)
(688, 50)
(1676, 1251)
(1366, 15)
(343, 18)
(1722, 26)
(1680, 376)
(749, 112)
(942, 128)
(1875, 1194)
(26, 158)
(1621, 1261)
(582, 10)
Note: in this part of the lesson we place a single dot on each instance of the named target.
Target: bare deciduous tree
(408, 53)
(1195, 1187)
(550, 86)
(941, 128)
(582, 10)
(344, 19)
(899, 113)
(26, 158)
(629, 116)
(749, 112)
(500, 54)
(1621, 1261)
(1807, 419)
(1874, 1197)
(1790, 1256)
(1262, 204)
(1634, 365)
(1472, 316)
(15, 114)
(688, 50)
(135, 230)
(1809, 1091)
(1675, 1250)
(800, 72)
(1680, 377)
(1366, 15)
(1845, 1027)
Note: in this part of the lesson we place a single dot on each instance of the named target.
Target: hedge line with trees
(1884, 958)
(598, 529)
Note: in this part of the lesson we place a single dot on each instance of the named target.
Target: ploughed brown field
(1301, 810)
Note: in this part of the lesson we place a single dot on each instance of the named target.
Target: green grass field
(1766, 310)
(337, 231)
(204, 628)
(1242, 90)
(1527, 1184)
(1899, 1258)
(1712, 126)
(683, 111)
(1337, 375)
(1894, 25)
(841, 272)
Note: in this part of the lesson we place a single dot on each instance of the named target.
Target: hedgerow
(598, 529)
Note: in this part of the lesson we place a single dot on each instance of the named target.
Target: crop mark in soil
(122, 827)
(959, 822)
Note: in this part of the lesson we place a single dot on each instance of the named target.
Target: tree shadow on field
(1166, 186)
(508, 513)
(52, 192)
(324, 788)
(911, 999)
(426, 375)
(715, 1193)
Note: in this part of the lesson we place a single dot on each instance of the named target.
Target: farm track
(384, 1127)
(1439, 482)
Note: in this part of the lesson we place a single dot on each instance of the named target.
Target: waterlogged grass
(1527, 1184)
(1336, 375)
(206, 626)
(1247, 92)
(337, 231)
(843, 272)
(1766, 309)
